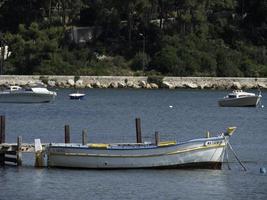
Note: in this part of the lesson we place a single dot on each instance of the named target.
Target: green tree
(140, 61)
(166, 60)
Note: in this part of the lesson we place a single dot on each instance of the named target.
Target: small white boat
(239, 98)
(76, 95)
(202, 153)
(16, 94)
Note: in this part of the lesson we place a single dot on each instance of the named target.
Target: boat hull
(72, 97)
(26, 98)
(197, 154)
(251, 101)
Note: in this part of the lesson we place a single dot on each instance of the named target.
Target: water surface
(108, 115)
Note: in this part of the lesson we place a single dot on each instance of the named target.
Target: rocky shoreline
(153, 82)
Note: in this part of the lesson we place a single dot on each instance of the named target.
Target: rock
(71, 82)
(205, 85)
(148, 86)
(35, 83)
(61, 84)
(130, 84)
(167, 85)
(236, 86)
(154, 86)
(179, 85)
(89, 85)
(31, 84)
(79, 84)
(103, 86)
(51, 83)
(191, 85)
(142, 84)
(121, 85)
(262, 85)
(247, 85)
(136, 86)
(113, 85)
(96, 85)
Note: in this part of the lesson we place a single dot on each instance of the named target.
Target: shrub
(140, 61)
(155, 79)
(166, 60)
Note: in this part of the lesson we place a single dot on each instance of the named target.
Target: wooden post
(2, 129)
(85, 137)
(39, 159)
(67, 134)
(208, 134)
(138, 130)
(39, 154)
(157, 138)
(2, 158)
(19, 154)
(2, 139)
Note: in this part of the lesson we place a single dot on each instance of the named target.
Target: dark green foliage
(137, 37)
(155, 79)
(166, 60)
(140, 61)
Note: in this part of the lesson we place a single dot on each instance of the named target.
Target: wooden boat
(16, 94)
(196, 153)
(239, 98)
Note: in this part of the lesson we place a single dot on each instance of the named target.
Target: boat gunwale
(185, 150)
(236, 98)
(148, 146)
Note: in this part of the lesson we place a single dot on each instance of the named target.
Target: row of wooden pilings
(85, 136)
(14, 155)
(138, 134)
(10, 156)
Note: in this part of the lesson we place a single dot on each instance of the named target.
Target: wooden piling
(2, 129)
(2, 158)
(19, 154)
(207, 134)
(39, 153)
(138, 130)
(2, 139)
(157, 139)
(84, 137)
(39, 159)
(67, 134)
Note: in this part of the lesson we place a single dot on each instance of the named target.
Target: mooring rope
(245, 169)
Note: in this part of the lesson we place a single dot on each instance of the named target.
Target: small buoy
(170, 106)
(262, 170)
(262, 106)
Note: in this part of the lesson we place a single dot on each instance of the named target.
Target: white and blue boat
(207, 153)
(77, 96)
(239, 98)
(17, 94)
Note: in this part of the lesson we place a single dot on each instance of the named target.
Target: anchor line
(231, 148)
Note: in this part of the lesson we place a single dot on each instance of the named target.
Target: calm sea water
(108, 115)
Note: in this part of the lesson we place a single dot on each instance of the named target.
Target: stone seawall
(135, 82)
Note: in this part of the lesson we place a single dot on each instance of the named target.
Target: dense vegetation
(137, 37)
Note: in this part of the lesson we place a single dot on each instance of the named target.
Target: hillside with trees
(136, 37)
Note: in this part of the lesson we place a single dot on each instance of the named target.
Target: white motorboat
(197, 153)
(76, 95)
(16, 94)
(239, 98)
